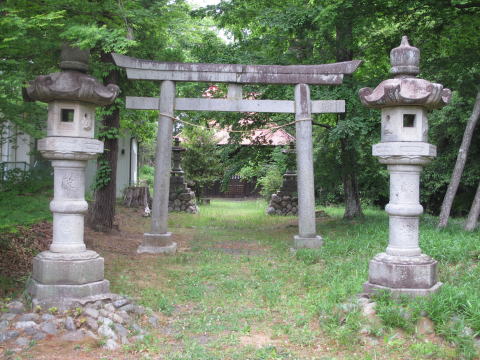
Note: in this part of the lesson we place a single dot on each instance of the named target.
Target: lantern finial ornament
(405, 59)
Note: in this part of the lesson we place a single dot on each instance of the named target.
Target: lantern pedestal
(409, 275)
(63, 279)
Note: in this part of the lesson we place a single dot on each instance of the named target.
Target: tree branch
(322, 125)
(467, 6)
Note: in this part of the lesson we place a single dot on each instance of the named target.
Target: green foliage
(201, 161)
(102, 177)
(270, 182)
(147, 175)
(20, 209)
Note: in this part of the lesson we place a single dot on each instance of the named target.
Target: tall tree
(459, 165)
(473, 215)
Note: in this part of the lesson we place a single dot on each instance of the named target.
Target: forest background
(283, 32)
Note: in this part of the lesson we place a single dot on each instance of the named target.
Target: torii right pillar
(404, 148)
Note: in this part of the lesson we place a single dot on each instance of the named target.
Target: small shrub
(270, 182)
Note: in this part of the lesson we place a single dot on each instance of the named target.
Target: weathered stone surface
(39, 336)
(120, 303)
(92, 323)
(72, 86)
(48, 317)
(109, 307)
(285, 201)
(70, 324)
(68, 269)
(8, 335)
(22, 341)
(77, 335)
(29, 317)
(25, 324)
(4, 324)
(30, 330)
(425, 326)
(16, 307)
(313, 242)
(63, 295)
(157, 244)
(405, 88)
(408, 272)
(107, 331)
(49, 327)
(90, 311)
(111, 345)
(404, 101)
(8, 316)
(121, 330)
(153, 320)
(368, 310)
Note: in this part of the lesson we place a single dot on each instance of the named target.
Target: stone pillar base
(157, 244)
(60, 279)
(300, 242)
(410, 275)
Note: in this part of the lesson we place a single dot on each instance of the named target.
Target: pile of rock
(283, 205)
(113, 321)
(285, 201)
(181, 197)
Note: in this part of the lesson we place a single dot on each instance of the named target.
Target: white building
(17, 147)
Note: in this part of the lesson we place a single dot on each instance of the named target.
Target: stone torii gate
(159, 239)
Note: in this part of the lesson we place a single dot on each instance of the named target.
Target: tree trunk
(472, 220)
(459, 165)
(137, 196)
(344, 52)
(353, 207)
(102, 214)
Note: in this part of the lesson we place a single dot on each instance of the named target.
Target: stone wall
(181, 197)
(285, 201)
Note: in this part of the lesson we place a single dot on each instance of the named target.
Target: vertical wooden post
(158, 240)
(307, 237)
(234, 92)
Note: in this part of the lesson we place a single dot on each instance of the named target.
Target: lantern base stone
(80, 268)
(411, 275)
(60, 279)
(66, 296)
(157, 244)
(300, 242)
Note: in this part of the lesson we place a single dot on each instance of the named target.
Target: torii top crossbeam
(236, 75)
(324, 74)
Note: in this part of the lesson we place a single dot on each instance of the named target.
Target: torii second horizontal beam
(266, 106)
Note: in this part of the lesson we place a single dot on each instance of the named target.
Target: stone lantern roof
(72, 83)
(405, 89)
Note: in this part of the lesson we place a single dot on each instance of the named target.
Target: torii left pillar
(158, 240)
(307, 233)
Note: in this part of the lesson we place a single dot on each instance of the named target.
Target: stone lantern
(181, 197)
(404, 101)
(177, 151)
(68, 272)
(285, 201)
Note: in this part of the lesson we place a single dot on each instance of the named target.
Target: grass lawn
(236, 291)
(23, 209)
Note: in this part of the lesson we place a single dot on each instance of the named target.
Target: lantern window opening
(408, 120)
(67, 115)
